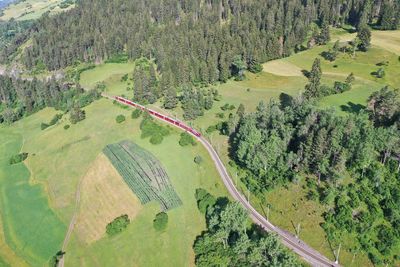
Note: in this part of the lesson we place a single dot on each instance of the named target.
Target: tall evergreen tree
(312, 89)
(364, 36)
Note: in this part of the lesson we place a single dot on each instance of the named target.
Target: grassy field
(30, 227)
(32, 9)
(105, 196)
(109, 73)
(56, 170)
(296, 209)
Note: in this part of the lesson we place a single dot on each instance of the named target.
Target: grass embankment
(63, 157)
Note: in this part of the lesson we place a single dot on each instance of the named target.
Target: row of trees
(20, 97)
(229, 242)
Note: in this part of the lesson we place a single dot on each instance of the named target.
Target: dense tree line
(19, 97)
(196, 40)
(229, 242)
(283, 141)
(12, 34)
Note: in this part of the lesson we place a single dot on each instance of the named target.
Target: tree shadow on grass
(352, 108)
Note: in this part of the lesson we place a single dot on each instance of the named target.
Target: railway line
(292, 242)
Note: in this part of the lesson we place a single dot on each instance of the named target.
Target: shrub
(66, 127)
(340, 87)
(211, 129)
(187, 139)
(383, 63)
(136, 113)
(204, 199)
(18, 158)
(198, 160)
(44, 126)
(54, 261)
(124, 78)
(120, 118)
(153, 130)
(161, 221)
(117, 225)
(76, 115)
(380, 73)
(55, 119)
(220, 115)
(156, 139)
(255, 67)
(119, 58)
(225, 107)
(329, 55)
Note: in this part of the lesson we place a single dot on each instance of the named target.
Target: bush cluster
(117, 225)
(161, 221)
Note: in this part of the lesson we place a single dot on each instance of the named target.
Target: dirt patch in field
(282, 68)
(104, 197)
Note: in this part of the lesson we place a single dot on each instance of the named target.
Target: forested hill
(197, 39)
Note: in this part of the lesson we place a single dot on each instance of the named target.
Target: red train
(158, 115)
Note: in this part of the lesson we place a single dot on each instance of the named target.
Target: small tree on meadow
(364, 36)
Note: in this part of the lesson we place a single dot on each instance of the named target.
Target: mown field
(285, 76)
(62, 158)
(32, 9)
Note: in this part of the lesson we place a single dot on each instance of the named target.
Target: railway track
(292, 242)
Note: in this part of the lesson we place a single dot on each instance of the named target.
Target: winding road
(302, 249)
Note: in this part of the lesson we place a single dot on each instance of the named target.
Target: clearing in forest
(143, 173)
(282, 68)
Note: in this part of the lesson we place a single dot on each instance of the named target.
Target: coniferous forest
(195, 40)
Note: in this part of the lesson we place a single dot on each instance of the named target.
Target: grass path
(73, 219)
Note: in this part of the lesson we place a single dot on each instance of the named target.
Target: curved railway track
(302, 249)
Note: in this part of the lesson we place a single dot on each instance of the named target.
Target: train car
(158, 115)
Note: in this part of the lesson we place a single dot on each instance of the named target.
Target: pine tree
(312, 88)
(387, 19)
(364, 36)
(324, 37)
(240, 111)
(169, 92)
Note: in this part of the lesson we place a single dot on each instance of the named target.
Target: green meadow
(32, 9)
(30, 227)
(60, 158)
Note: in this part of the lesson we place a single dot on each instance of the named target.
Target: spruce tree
(324, 37)
(364, 36)
(312, 88)
(169, 92)
(388, 18)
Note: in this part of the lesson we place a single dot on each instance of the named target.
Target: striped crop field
(143, 173)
